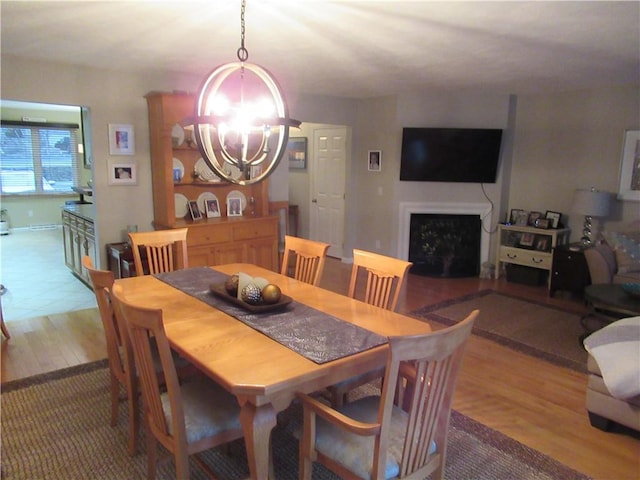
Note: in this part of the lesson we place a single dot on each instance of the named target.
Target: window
(38, 158)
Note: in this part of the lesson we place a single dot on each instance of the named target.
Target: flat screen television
(450, 154)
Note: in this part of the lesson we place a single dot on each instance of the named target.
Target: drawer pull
(537, 260)
(512, 255)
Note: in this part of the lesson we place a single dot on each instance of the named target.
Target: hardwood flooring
(532, 401)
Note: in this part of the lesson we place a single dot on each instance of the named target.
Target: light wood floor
(532, 401)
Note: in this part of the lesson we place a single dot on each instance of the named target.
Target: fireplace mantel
(451, 208)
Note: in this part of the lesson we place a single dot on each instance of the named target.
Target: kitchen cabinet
(78, 238)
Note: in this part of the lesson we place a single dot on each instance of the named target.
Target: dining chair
(384, 279)
(119, 353)
(308, 257)
(374, 438)
(3, 326)
(166, 250)
(186, 418)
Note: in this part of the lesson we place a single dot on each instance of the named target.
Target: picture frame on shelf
(542, 223)
(212, 208)
(374, 161)
(523, 218)
(297, 153)
(234, 207)
(629, 178)
(554, 217)
(514, 215)
(533, 216)
(121, 139)
(122, 173)
(526, 240)
(542, 243)
(194, 210)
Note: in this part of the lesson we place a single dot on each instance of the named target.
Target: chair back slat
(166, 250)
(384, 278)
(309, 259)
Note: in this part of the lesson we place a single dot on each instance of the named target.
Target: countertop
(83, 210)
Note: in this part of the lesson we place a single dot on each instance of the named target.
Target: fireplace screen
(445, 245)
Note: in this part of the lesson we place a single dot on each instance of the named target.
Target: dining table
(262, 369)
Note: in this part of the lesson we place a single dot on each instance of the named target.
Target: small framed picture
(122, 173)
(212, 207)
(121, 139)
(523, 218)
(526, 240)
(542, 223)
(533, 216)
(234, 207)
(194, 210)
(554, 218)
(297, 153)
(375, 161)
(542, 243)
(514, 215)
(629, 182)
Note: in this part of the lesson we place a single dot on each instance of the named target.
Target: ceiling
(347, 48)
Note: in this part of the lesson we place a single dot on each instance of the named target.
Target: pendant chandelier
(242, 121)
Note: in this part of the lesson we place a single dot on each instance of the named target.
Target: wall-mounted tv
(450, 154)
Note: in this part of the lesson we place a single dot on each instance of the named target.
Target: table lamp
(590, 203)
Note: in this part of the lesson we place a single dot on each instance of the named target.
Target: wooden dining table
(262, 373)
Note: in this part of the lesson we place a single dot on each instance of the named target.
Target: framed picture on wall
(122, 173)
(297, 153)
(121, 139)
(629, 183)
(374, 161)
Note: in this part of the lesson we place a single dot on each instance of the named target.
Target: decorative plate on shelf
(219, 291)
(177, 135)
(204, 173)
(202, 200)
(182, 205)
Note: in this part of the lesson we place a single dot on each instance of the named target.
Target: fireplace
(445, 245)
(480, 210)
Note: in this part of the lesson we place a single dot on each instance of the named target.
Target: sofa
(616, 260)
(613, 389)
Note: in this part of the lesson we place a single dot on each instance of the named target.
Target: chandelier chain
(243, 54)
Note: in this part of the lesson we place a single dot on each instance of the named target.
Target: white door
(328, 184)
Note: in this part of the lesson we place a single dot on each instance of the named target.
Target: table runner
(315, 335)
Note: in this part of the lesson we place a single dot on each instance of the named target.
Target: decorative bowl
(218, 290)
(632, 289)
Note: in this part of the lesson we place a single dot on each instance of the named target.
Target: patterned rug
(56, 426)
(540, 330)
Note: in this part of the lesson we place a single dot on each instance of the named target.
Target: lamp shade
(591, 203)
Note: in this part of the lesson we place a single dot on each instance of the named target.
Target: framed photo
(234, 207)
(542, 243)
(533, 216)
(212, 207)
(629, 184)
(526, 240)
(554, 217)
(514, 215)
(522, 218)
(542, 223)
(297, 153)
(122, 173)
(374, 161)
(194, 210)
(121, 139)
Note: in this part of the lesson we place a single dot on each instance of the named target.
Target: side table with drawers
(569, 271)
(120, 260)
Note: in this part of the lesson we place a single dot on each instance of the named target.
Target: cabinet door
(229, 253)
(264, 253)
(67, 239)
(201, 256)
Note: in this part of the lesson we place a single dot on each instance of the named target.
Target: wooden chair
(186, 419)
(372, 437)
(309, 259)
(166, 250)
(385, 277)
(119, 353)
(3, 326)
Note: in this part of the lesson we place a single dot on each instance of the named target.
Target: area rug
(540, 330)
(56, 426)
